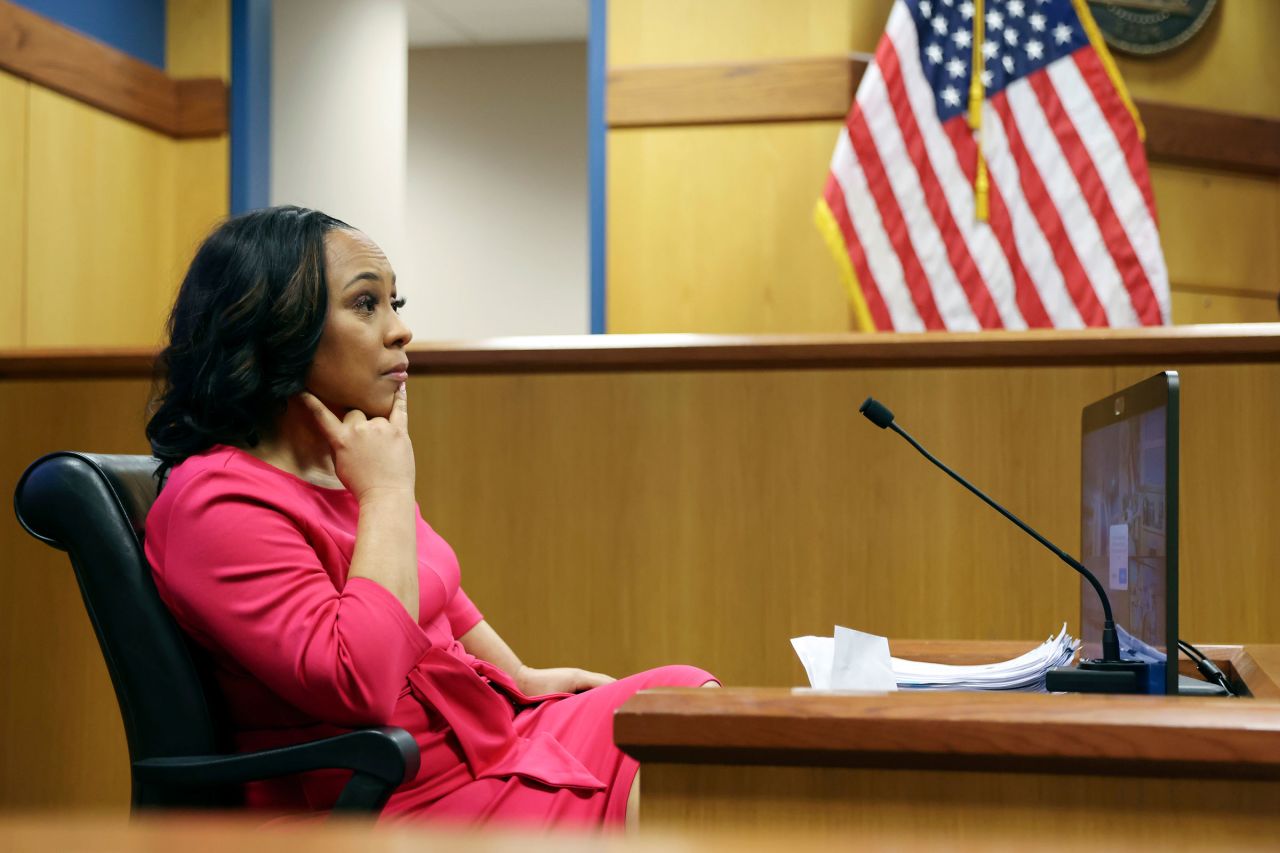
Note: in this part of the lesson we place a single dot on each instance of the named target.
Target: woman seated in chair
(287, 542)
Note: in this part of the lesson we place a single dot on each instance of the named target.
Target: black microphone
(1110, 673)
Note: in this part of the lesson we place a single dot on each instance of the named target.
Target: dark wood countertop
(1168, 345)
(1042, 733)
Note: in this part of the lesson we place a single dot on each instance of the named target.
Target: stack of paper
(853, 660)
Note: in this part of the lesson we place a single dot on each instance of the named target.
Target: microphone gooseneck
(880, 415)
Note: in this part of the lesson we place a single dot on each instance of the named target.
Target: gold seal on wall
(1150, 26)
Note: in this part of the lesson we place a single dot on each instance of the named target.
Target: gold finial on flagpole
(977, 94)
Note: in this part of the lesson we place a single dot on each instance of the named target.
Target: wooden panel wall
(99, 226)
(106, 213)
(198, 45)
(13, 201)
(1218, 229)
(619, 521)
(709, 226)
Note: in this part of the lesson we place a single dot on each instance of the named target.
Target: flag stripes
(1071, 237)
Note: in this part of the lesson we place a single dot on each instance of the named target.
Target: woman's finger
(329, 423)
(400, 408)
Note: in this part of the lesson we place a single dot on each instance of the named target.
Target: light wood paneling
(1207, 305)
(59, 723)
(13, 201)
(708, 517)
(198, 38)
(1219, 230)
(1229, 65)
(791, 90)
(198, 45)
(59, 58)
(713, 231)
(646, 32)
(1005, 811)
(625, 520)
(100, 227)
(822, 89)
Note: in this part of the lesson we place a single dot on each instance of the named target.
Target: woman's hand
(563, 679)
(371, 456)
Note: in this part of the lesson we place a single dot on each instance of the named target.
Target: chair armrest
(382, 758)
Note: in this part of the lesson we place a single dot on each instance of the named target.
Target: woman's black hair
(242, 333)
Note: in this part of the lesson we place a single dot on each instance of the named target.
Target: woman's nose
(399, 333)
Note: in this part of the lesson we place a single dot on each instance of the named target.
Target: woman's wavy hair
(242, 333)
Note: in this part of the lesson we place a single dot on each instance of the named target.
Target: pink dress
(253, 562)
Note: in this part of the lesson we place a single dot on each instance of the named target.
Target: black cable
(1206, 667)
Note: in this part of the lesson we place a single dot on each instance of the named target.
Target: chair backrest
(94, 507)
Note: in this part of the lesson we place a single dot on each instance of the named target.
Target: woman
(287, 542)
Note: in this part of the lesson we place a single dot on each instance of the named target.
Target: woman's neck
(296, 445)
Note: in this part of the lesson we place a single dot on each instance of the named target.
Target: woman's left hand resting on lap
(484, 642)
(561, 679)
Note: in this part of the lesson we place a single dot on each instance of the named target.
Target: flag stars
(1035, 50)
(1008, 64)
(1016, 8)
(1062, 34)
(956, 68)
(990, 50)
(926, 8)
(987, 77)
(1037, 22)
(1011, 37)
(962, 38)
(966, 10)
(994, 20)
(951, 96)
(940, 25)
(934, 52)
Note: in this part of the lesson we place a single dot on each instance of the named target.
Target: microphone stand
(1108, 674)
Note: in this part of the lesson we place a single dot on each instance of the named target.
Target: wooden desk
(1006, 767)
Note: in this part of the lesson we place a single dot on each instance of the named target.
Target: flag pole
(977, 93)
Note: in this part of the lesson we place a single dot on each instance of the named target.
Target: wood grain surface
(1022, 810)
(56, 57)
(1041, 733)
(619, 520)
(817, 89)
(1172, 345)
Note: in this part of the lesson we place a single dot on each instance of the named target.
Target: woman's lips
(397, 375)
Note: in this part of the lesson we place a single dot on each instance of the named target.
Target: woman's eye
(365, 304)
(397, 304)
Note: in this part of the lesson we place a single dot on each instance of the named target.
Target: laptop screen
(1128, 523)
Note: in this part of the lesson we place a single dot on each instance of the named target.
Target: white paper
(1118, 556)
(853, 660)
(861, 662)
(816, 654)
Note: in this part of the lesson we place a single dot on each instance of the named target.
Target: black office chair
(93, 507)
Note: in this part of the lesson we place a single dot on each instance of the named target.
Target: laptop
(1129, 524)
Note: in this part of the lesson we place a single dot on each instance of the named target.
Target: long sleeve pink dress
(252, 561)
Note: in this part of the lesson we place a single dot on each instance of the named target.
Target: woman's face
(360, 361)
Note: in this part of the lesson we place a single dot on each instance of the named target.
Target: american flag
(1070, 237)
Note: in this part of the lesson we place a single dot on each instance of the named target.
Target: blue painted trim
(136, 27)
(597, 38)
(250, 104)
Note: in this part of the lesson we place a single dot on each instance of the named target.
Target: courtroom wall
(709, 226)
(99, 215)
(497, 201)
(621, 520)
